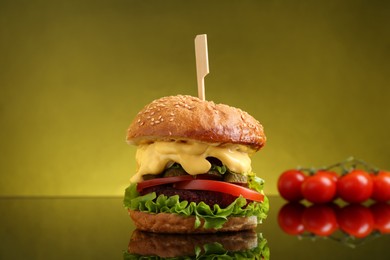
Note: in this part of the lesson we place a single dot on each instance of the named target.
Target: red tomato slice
(160, 181)
(220, 186)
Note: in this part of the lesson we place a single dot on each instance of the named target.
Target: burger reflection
(234, 245)
(350, 224)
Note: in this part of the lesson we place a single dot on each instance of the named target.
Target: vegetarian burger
(194, 170)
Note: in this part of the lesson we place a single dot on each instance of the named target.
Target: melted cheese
(153, 158)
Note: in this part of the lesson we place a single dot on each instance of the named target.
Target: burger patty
(209, 197)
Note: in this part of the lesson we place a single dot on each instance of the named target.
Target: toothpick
(202, 63)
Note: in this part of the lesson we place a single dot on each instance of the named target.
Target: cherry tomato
(381, 213)
(220, 186)
(290, 218)
(381, 190)
(320, 219)
(333, 175)
(289, 185)
(319, 188)
(355, 187)
(356, 220)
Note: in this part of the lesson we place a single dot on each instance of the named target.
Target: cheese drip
(153, 158)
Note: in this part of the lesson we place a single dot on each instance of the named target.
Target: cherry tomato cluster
(353, 185)
(355, 220)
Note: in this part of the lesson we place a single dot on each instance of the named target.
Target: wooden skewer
(202, 63)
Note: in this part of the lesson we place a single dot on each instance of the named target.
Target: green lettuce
(221, 169)
(212, 217)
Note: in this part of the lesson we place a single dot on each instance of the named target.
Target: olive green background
(73, 74)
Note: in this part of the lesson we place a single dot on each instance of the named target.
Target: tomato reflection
(356, 220)
(320, 219)
(290, 218)
(324, 220)
(381, 214)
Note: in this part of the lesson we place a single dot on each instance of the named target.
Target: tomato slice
(220, 186)
(160, 181)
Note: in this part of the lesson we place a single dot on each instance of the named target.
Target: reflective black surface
(99, 228)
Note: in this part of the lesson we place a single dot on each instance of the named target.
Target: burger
(229, 245)
(194, 171)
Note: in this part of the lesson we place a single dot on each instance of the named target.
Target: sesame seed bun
(188, 117)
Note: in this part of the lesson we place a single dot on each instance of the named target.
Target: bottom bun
(174, 223)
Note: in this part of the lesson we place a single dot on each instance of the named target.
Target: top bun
(188, 117)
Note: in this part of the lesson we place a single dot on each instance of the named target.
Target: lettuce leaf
(212, 217)
(221, 169)
(255, 183)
